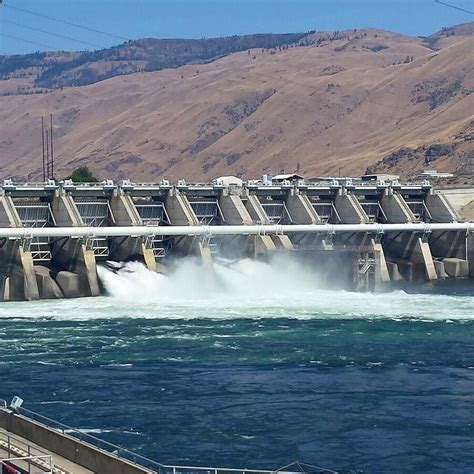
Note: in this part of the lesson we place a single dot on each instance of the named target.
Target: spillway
(363, 235)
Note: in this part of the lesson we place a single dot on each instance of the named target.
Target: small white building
(435, 174)
(287, 177)
(228, 181)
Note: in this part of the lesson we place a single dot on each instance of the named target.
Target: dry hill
(330, 103)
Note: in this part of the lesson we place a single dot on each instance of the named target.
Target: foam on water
(240, 289)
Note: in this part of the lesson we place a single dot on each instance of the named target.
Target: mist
(244, 281)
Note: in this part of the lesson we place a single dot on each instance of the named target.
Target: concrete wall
(256, 210)
(66, 446)
(381, 270)
(179, 210)
(470, 253)
(124, 211)
(422, 254)
(282, 242)
(448, 244)
(411, 252)
(234, 211)
(65, 211)
(440, 208)
(350, 210)
(8, 215)
(462, 200)
(30, 284)
(396, 209)
(76, 263)
(301, 210)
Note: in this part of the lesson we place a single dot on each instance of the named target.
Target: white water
(242, 289)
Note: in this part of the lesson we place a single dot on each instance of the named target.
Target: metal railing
(419, 210)
(45, 461)
(213, 470)
(207, 211)
(277, 212)
(92, 440)
(96, 213)
(153, 213)
(37, 214)
(24, 455)
(374, 211)
(327, 212)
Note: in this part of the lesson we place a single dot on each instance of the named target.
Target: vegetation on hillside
(62, 69)
(82, 175)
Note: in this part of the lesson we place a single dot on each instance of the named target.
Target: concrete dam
(363, 235)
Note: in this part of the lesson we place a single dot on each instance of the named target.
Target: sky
(132, 19)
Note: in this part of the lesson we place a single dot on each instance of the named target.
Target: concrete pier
(350, 210)
(382, 274)
(301, 210)
(16, 262)
(395, 207)
(73, 258)
(422, 254)
(53, 236)
(181, 213)
(125, 214)
(261, 243)
(440, 209)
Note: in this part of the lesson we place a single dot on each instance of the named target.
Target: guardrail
(44, 460)
(98, 443)
(20, 451)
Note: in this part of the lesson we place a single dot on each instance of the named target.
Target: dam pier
(364, 235)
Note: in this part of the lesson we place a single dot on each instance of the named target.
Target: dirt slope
(343, 103)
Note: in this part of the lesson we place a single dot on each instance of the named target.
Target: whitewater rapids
(239, 289)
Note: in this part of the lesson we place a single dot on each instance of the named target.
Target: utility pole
(52, 154)
(47, 154)
(47, 140)
(42, 140)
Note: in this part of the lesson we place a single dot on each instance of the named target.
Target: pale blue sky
(198, 18)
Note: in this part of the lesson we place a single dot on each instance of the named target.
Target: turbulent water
(253, 365)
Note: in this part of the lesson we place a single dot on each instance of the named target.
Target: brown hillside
(450, 35)
(342, 104)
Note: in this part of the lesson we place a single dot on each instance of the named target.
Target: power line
(454, 6)
(75, 25)
(28, 41)
(49, 33)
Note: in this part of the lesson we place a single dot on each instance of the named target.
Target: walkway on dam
(13, 446)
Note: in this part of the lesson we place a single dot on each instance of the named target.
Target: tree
(82, 175)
